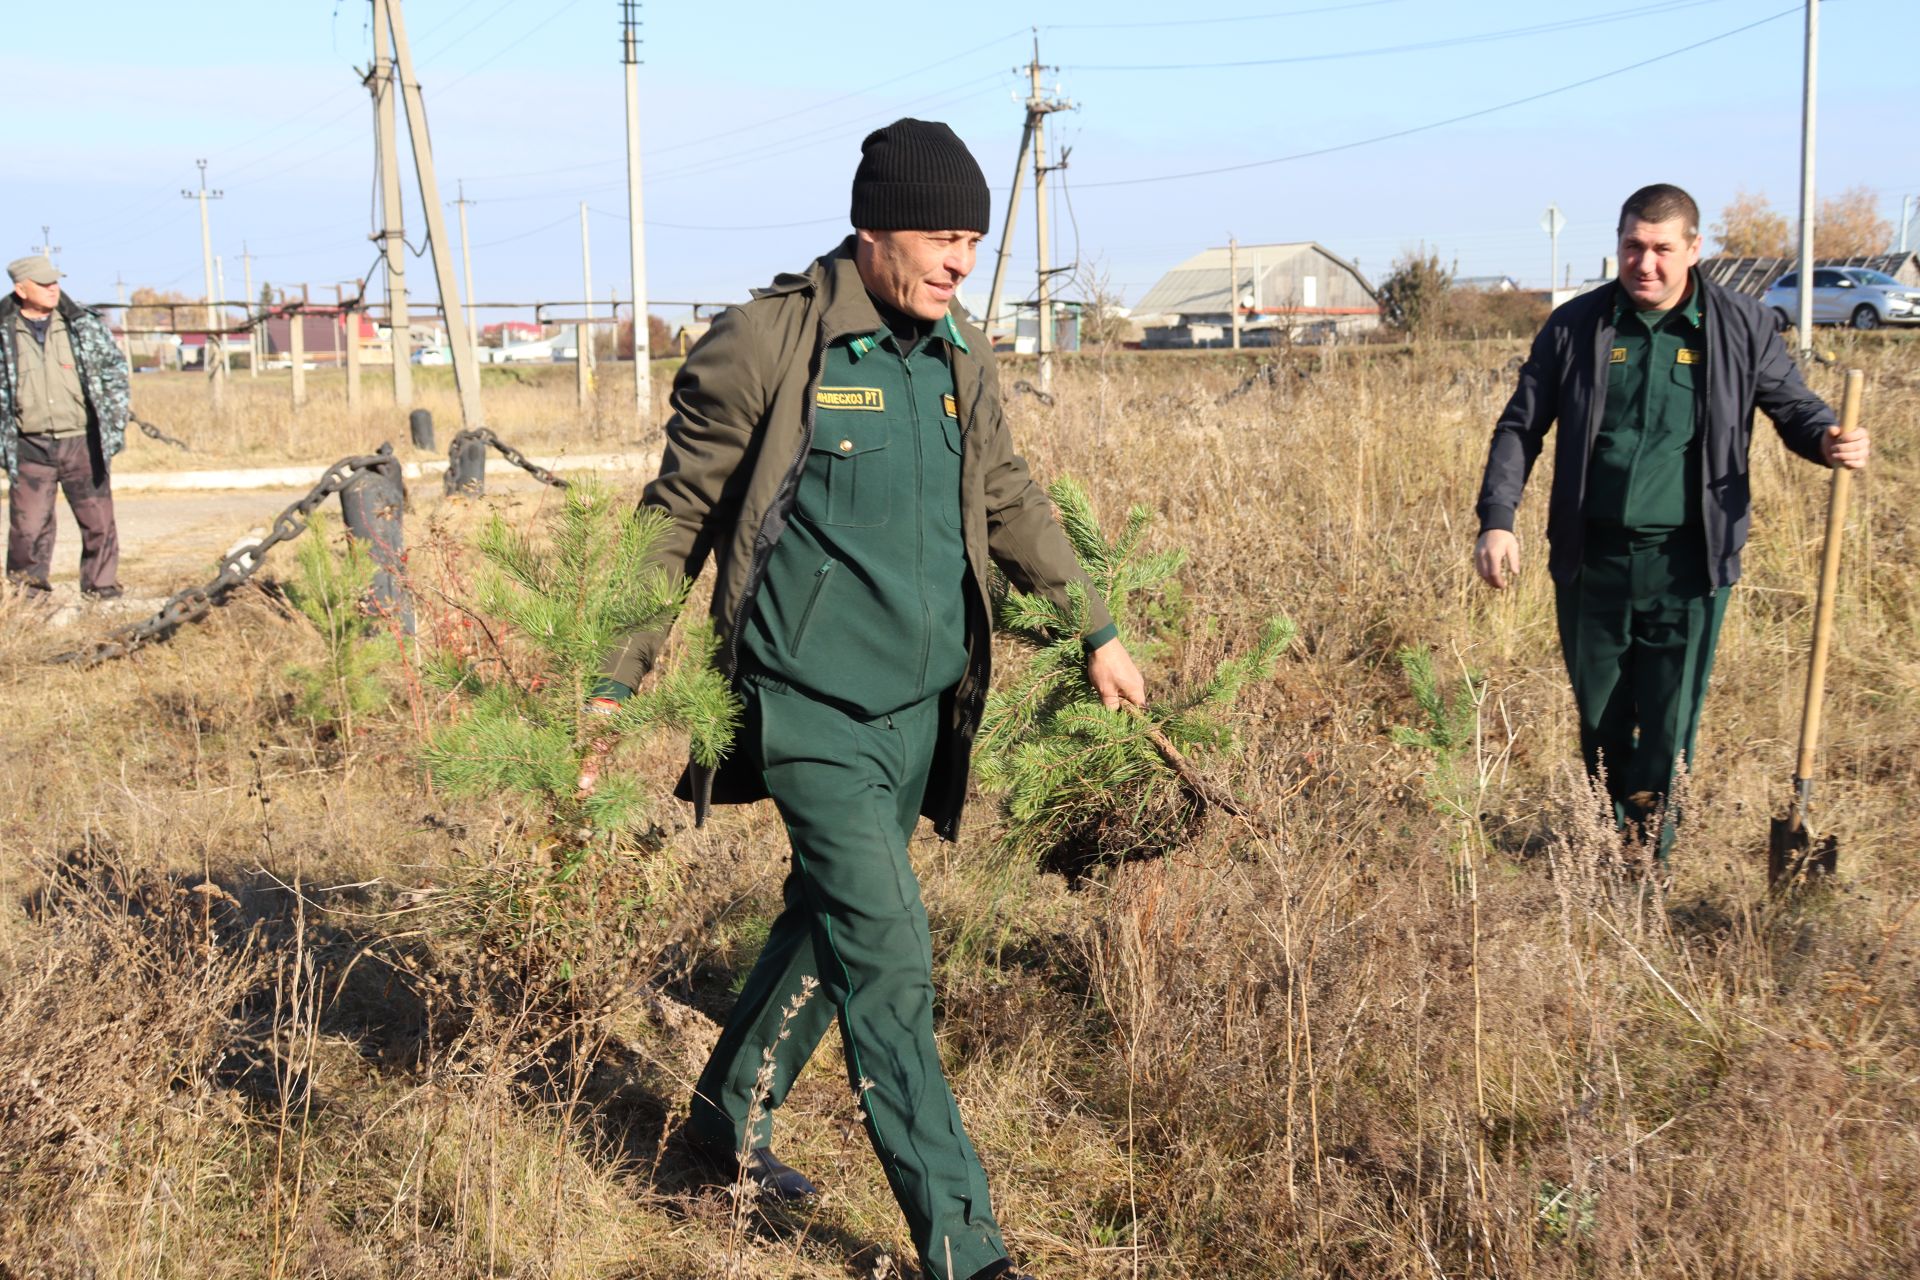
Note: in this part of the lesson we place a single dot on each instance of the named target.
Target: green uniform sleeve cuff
(607, 687)
(1109, 632)
(1493, 517)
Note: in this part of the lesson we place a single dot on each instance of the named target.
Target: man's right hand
(1497, 558)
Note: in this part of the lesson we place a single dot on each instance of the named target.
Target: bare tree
(1749, 227)
(1850, 226)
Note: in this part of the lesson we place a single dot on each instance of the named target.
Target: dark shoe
(104, 593)
(780, 1183)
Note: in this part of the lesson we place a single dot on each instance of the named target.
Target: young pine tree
(523, 729)
(329, 590)
(1081, 784)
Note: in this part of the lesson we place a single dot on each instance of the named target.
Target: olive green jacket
(736, 446)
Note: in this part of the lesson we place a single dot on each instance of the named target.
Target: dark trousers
(1638, 629)
(849, 790)
(67, 466)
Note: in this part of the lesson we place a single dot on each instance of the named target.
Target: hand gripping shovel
(1792, 851)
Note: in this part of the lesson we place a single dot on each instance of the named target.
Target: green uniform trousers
(1638, 627)
(849, 790)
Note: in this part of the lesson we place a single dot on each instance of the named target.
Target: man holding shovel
(1654, 381)
(838, 448)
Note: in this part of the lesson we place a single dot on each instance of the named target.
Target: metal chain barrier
(154, 433)
(236, 568)
(467, 462)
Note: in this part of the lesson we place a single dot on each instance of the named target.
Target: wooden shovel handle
(1829, 576)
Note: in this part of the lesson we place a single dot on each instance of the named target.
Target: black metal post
(373, 506)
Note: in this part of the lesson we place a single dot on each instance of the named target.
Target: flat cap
(33, 268)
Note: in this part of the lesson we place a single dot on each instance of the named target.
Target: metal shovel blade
(1793, 853)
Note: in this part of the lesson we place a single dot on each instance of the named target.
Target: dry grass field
(1430, 1029)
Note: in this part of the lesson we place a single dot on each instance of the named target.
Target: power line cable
(1440, 124)
(1422, 46)
(1216, 21)
(654, 152)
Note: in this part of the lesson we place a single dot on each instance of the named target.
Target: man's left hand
(1849, 450)
(1115, 677)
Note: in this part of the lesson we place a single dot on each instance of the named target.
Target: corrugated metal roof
(1756, 275)
(1200, 285)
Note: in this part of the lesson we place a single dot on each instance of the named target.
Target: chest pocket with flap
(848, 476)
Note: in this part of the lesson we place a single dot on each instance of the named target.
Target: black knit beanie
(916, 175)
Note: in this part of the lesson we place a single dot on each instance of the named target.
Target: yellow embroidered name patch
(869, 398)
(1687, 355)
(1619, 356)
(951, 405)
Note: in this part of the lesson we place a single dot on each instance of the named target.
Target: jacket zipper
(820, 577)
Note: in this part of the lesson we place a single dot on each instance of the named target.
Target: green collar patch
(947, 328)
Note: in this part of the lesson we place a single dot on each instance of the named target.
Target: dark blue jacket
(1565, 379)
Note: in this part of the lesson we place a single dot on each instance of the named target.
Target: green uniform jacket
(103, 376)
(736, 447)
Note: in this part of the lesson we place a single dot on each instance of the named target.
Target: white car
(1855, 296)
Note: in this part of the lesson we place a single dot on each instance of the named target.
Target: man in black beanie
(837, 445)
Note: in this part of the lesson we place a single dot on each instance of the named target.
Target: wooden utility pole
(1803, 323)
(253, 329)
(1233, 287)
(210, 353)
(586, 278)
(466, 366)
(466, 266)
(636, 226)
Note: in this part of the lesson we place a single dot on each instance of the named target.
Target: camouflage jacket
(103, 376)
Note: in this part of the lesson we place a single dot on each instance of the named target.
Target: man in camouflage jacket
(64, 407)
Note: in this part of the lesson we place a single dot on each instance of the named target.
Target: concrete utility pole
(1040, 108)
(1804, 321)
(1553, 222)
(586, 277)
(466, 366)
(350, 315)
(47, 248)
(253, 329)
(466, 266)
(216, 371)
(1006, 227)
(297, 348)
(392, 235)
(1033, 141)
(1233, 287)
(126, 339)
(226, 348)
(636, 225)
(1905, 219)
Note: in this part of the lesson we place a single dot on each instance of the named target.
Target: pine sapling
(524, 730)
(329, 591)
(1081, 784)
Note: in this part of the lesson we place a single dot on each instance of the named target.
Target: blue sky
(753, 115)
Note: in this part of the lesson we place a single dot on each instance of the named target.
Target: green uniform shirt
(1645, 473)
(863, 599)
